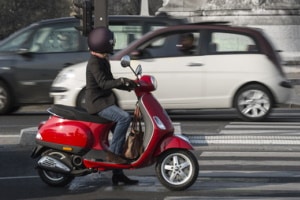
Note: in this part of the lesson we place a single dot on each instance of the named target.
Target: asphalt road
(230, 168)
(222, 175)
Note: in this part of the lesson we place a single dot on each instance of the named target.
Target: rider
(100, 99)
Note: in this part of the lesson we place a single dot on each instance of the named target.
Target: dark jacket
(99, 85)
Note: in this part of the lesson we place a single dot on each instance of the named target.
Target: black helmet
(101, 40)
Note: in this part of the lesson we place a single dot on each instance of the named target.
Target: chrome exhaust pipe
(52, 164)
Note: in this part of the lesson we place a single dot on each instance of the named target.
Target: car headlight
(63, 76)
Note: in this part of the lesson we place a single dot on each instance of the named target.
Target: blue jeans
(122, 119)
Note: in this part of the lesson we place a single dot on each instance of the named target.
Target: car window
(47, 39)
(56, 39)
(231, 42)
(171, 45)
(17, 42)
(127, 33)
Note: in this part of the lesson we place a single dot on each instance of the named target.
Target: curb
(27, 136)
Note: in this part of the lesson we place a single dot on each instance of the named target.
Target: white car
(227, 67)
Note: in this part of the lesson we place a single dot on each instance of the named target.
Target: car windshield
(16, 41)
(50, 38)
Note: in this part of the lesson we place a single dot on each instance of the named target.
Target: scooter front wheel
(177, 169)
(54, 178)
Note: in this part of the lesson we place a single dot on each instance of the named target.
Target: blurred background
(280, 19)
(16, 14)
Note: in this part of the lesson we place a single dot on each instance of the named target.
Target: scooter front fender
(173, 142)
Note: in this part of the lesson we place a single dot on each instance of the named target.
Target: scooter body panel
(77, 135)
(66, 132)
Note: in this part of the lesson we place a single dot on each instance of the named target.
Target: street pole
(144, 10)
(100, 13)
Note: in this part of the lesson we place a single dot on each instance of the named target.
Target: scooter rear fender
(80, 135)
(66, 132)
(173, 142)
(37, 151)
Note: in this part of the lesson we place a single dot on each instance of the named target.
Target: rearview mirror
(125, 61)
(138, 70)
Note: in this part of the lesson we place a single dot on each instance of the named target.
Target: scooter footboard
(174, 142)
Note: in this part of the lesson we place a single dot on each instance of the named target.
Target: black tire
(54, 178)
(177, 169)
(80, 101)
(253, 102)
(6, 100)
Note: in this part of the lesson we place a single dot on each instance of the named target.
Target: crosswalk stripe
(248, 154)
(263, 126)
(242, 163)
(256, 174)
(266, 123)
(225, 162)
(240, 131)
(255, 133)
(247, 139)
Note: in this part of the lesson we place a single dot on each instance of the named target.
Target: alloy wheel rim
(254, 103)
(177, 169)
(3, 98)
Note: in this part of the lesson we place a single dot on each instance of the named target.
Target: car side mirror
(23, 52)
(125, 61)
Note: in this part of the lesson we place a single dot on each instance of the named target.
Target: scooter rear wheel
(177, 169)
(54, 178)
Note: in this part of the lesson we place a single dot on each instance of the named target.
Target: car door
(179, 75)
(49, 49)
(229, 65)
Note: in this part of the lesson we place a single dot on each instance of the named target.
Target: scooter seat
(74, 113)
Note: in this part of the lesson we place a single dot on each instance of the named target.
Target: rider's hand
(129, 84)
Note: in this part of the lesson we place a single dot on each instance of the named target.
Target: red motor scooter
(73, 143)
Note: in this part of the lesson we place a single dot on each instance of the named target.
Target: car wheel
(80, 102)
(253, 102)
(5, 99)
